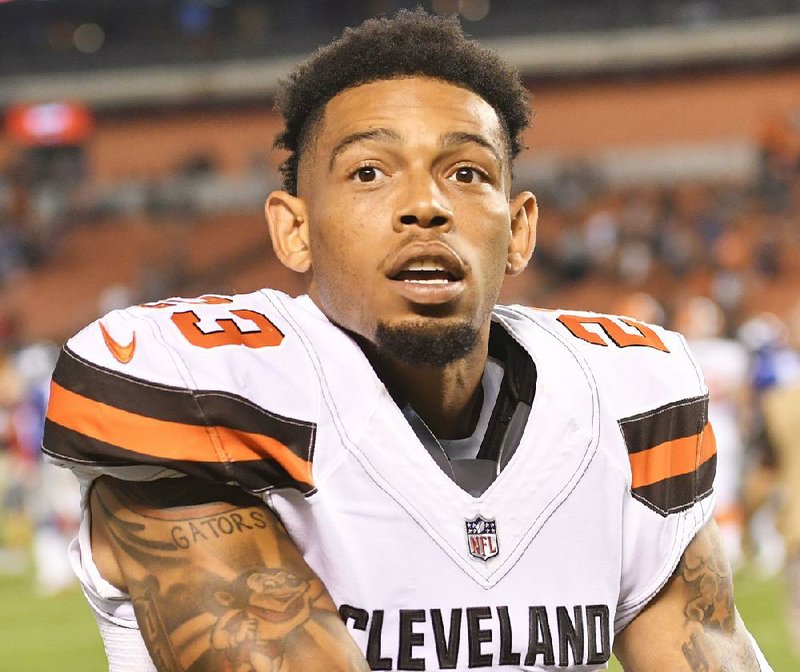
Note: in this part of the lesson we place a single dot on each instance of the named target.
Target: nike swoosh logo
(122, 353)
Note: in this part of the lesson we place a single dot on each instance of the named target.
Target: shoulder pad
(216, 387)
(649, 384)
(639, 366)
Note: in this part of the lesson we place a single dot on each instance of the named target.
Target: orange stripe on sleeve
(165, 439)
(672, 458)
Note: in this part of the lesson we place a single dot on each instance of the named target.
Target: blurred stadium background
(135, 155)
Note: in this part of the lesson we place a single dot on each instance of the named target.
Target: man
(468, 486)
(725, 364)
(779, 382)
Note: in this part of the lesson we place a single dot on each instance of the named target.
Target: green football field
(57, 634)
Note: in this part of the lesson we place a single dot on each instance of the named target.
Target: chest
(428, 577)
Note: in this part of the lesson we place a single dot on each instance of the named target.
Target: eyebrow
(451, 139)
(465, 138)
(361, 136)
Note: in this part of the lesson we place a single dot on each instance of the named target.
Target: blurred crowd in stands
(84, 34)
(699, 257)
(726, 240)
(39, 195)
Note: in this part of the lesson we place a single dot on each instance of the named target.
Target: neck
(446, 398)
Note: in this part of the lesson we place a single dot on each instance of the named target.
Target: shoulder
(650, 393)
(652, 403)
(209, 342)
(636, 365)
(207, 386)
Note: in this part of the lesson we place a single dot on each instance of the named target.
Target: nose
(423, 205)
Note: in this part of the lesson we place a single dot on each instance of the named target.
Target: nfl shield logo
(482, 537)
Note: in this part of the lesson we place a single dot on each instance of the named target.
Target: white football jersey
(609, 480)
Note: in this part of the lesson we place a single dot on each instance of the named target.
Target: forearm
(714, 650)
(216, 582)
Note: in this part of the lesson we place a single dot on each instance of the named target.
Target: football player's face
(405, 192)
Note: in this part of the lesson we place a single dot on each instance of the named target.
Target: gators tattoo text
(219, 586)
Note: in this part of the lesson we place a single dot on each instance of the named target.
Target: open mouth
(426, 272)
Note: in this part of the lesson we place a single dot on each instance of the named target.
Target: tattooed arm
(692, 625)
(216, 582)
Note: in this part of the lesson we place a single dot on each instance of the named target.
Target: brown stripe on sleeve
(100, 417)
(133, 394)
(667, 423)
(253, 476)
(672, 458)
(164, 439)
(679, 492)
(672, 453)
(174, 404)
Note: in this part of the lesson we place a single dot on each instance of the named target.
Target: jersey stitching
(684, 534)
(526, 539)
(274, 300)
(122, 376)
(661, 576)
(698, 495)
(351, 446)
(675, 404)
(579, 472)
(199, 392)
(698, 373)
(628, 609)
(191, 384)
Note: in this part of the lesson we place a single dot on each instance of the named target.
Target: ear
(524, 213)
(288, 229)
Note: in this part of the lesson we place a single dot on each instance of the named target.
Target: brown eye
(467, 175)
(366, 174)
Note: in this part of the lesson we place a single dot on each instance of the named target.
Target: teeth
(433, 281)
(425, 265)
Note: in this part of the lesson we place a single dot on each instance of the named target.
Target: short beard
(426, 343)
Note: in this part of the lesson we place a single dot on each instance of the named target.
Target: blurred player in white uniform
(54, 501)
(725, 364)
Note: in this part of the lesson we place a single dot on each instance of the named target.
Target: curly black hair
(410, 43)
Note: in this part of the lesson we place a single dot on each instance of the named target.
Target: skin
(693, 624)
(392, 165)
(180, 564)
(397, 163)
